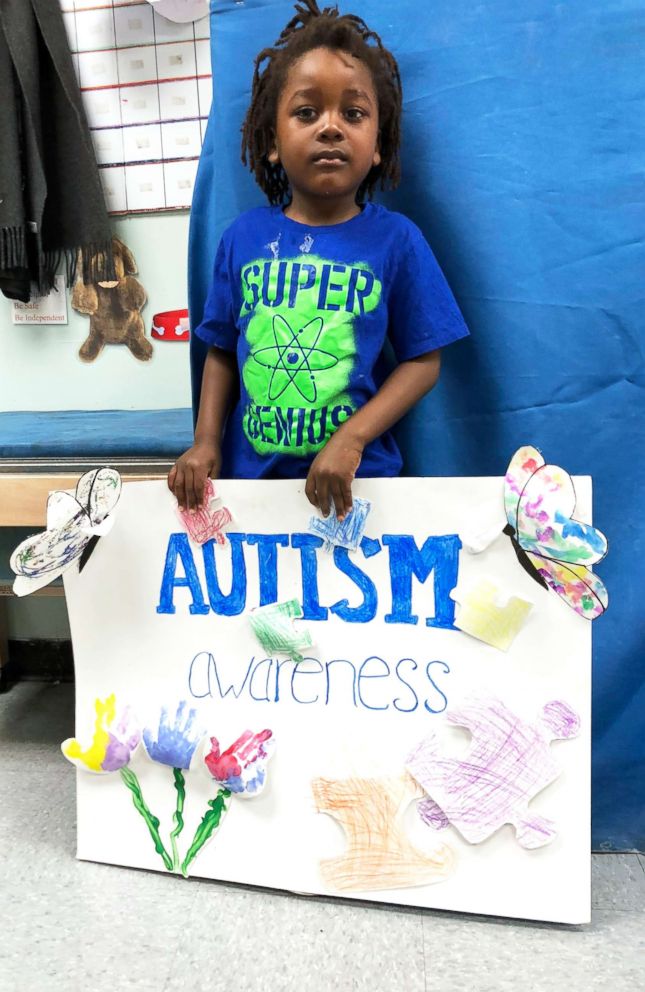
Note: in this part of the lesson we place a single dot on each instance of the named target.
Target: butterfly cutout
(555, 549)
(74, 525)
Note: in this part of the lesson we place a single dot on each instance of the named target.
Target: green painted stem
(152, 822)
(210, 822)
(180, 786)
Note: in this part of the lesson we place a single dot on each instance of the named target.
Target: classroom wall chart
(146, 87)
(292, 703)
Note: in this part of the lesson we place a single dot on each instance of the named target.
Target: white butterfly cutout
(72, 522)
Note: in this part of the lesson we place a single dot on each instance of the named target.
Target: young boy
(306, 290)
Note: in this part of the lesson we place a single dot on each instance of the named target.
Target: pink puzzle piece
(509, 762)
(209, 521)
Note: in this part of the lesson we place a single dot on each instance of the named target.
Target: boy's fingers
(339, 503)
(346, 493)
(310, 491)
(190, 489)
(198, 482)
(342, 500)
(200, 486)
(179, 489)
(171, 478)
(322, 497)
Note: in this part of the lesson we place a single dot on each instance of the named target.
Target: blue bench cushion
(95, 433)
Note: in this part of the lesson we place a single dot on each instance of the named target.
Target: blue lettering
(231, 688)
(438, 554)
(283, 425)
(339, 414)
(268, 563)
(308, 544)
(251, 287)
(233, 604)
(403, 709)
(278, 668)
(300, 671)
(316, 436)
(324, 282)
(265, 698)
(334, 287)
(446, 669)
(300, 425)
(266, 283)
(363, 293)
(178, 547)
(362, 674)
(199, 659)
(295, 285)
(367, 609)
(340, 661)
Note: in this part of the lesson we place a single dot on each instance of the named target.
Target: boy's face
(326, 134)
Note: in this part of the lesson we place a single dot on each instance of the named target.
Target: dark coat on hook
(52, 209)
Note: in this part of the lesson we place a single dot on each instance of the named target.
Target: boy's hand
(331, 475)
(188, 475)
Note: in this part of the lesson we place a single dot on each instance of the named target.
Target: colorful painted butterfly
(74, 525)
(555, 549)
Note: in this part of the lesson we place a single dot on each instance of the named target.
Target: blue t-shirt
(307, 311)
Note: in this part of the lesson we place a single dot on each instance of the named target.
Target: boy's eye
(305, 113)
(354, 114)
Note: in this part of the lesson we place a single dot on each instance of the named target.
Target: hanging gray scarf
(52, 209)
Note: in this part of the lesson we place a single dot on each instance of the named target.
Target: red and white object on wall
(171, 325)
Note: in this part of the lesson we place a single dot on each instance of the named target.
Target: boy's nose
(330, 129)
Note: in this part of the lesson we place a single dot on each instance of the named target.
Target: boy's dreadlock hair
(313, 28)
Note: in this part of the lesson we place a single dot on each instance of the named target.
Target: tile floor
(70, 926)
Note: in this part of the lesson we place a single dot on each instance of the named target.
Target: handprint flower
(240, 771)
(241, 768)
(175, 743)
(113, 743)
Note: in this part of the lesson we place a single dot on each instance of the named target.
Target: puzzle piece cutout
(273, 626)
(345, 534)
(482, 613)
(209, 521)
(508, 764)
(379, 854)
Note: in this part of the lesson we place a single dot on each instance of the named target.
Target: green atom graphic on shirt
(294, 359)
(302, 348)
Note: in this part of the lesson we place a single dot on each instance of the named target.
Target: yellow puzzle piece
(481, 616)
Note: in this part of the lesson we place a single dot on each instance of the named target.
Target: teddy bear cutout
(114, 309)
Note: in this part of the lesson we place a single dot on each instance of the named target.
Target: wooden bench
(50, 449)
(24, 488)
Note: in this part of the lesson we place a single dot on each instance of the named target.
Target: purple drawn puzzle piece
(509, 762)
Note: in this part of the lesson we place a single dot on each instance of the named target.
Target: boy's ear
(377, 151)
(273, 155)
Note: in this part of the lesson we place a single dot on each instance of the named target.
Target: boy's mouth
(331, 156)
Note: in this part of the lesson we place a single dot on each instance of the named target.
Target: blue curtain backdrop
(523, 163)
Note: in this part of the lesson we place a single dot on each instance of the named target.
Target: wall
(39, 364)
(40, 370)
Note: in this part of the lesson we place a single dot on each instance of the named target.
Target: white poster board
(386, 669)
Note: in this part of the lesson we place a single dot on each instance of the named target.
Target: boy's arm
(187, 477)
(333, 469)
